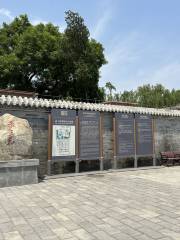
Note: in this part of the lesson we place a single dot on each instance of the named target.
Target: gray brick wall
(38, 120)
(167, 134)
(167, 137)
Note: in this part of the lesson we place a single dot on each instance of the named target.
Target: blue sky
(141, 38)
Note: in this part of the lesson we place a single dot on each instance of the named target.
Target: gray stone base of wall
(18, 172)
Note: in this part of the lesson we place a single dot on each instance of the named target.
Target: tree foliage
(110, 88)
(157, 96)
(42, 59)
(149, 96)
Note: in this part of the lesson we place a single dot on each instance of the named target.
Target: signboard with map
(63, 134)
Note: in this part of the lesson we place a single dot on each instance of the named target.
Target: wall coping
(50, 103)
(19, 163)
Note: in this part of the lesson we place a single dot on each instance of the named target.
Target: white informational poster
(63, 140)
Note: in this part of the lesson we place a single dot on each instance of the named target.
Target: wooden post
(114, 143)
(77, 144)
(153, 136)
(135, 145)
(49, 144)
(101, 141)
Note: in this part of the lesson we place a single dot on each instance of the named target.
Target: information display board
(125, 138)
(63, 134)
(144, 134)
(89, 135)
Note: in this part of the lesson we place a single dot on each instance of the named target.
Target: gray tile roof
(50, 103)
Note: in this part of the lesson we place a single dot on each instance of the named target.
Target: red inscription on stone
(10, 139)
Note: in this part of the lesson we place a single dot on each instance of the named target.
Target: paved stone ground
(136, 205)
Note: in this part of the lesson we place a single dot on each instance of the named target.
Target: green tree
(153, 96)
(128, 96)
(42, 59)
(102, 93)
(156, 96)
(110, 88)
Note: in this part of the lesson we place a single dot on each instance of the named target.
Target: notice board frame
(77, 159)
(100, 127)
(122, 117)
(115, 139)
(153, 142)
(135, 156)
(50, 141)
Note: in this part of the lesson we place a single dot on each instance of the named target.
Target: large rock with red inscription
(15, 138)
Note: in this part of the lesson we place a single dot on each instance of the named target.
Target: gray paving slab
(128, 205)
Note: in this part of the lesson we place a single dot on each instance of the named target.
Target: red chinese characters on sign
(10, 139)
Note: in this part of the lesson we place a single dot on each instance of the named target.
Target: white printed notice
(63, 140)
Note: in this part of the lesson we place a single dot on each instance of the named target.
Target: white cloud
(135, 61)
(37, 21)
(106, 10)
(101, 25)
(5, 12)
(123, 51)
(120, 54)
(168, 75)
(62, 26)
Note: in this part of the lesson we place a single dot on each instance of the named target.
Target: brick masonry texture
(167, 137)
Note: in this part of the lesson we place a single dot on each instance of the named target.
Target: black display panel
(89, 135)
(125, 137)
(144, 134)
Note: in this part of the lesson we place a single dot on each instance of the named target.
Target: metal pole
(101, 142)
(77, 145)
(49, 144)
(114, 143)
(77, 166)
(153, 134)
(135, 145)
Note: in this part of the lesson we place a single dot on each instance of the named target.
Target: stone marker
(15, 138)
(16, 164)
